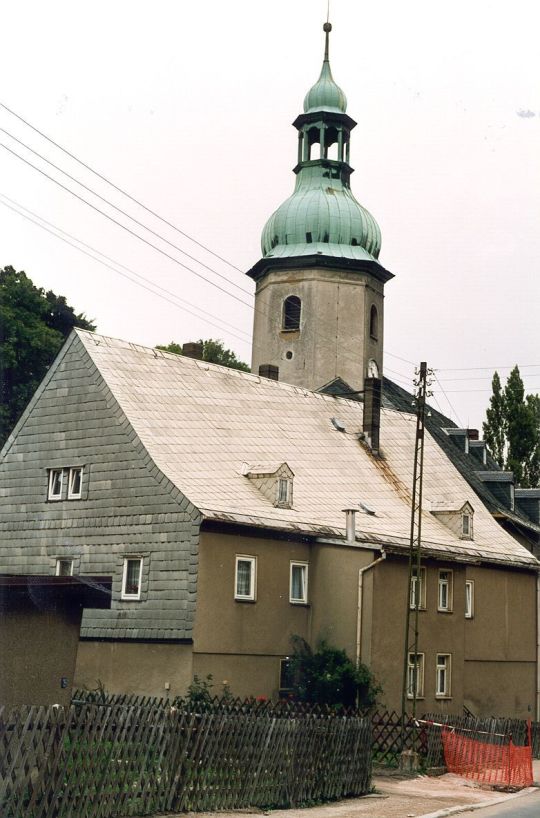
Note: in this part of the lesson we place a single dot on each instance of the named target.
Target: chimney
(269, 371)
(193, 349)
(372, 412)
(350, 524)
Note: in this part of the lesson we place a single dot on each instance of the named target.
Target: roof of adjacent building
(201, 423)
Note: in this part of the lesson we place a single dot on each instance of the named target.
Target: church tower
(319, 287)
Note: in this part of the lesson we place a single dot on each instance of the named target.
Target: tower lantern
(319, 285)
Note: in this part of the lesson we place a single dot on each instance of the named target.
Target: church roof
(325, 95)
(201, 423)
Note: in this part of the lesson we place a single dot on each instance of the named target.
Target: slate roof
(201, 423)
(470, 467)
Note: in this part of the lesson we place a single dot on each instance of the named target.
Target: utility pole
(415, 590)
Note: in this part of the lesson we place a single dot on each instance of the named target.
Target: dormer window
(284, 491)
(466, 526)
(292, 310)
(274, 481)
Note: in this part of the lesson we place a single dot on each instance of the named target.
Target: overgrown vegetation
(327, 676)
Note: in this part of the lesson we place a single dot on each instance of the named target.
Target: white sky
(188, 107)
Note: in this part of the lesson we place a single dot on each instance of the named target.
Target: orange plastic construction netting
(497, 762)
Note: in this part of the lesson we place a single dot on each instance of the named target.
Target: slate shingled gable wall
(128, 505)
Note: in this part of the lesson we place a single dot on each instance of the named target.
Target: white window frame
(127, 559)
(467, 535)
(449, 583)
(50, 495)
(71, 494)
(252, 596)
(420, 658)
(469, 599)
(412, 590)
(443, 691)
(60, 560)
(305, 566)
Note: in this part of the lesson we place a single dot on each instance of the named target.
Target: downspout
(361, 573)
(538, 646)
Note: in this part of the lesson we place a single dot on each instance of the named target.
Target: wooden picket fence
(124, 759)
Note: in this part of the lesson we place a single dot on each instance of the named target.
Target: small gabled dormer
(458, 519)
(274, 481)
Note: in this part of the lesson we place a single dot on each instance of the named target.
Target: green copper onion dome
(322, 216)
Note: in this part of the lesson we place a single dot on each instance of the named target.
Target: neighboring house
(234, 511)
(215, 499)
(40, 620)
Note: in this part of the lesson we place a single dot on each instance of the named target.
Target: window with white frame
(75, 483)
(469, 598)
(443, 678)
(415, 675)
(64, 567)
(56, 481)
(245, 579)
(298, 591)
(466, 526)
(418, 588)
(131, 579)
(445, 591)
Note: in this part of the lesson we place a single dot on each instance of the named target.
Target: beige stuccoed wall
(242, 643)
(135, 667)
(38, 648)
(500, 667)
(333, 340)
(493, 654)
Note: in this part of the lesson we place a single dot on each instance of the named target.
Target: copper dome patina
(322, 216)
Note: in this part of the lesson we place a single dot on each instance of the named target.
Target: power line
(114, 270)
(124, 212)
(124, 227)
(447, 399)
(491, 368)
(119, 189)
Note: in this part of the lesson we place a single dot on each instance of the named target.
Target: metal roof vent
(365, 509)
(337, 424)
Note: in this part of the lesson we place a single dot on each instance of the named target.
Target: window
(299, 583)
(415, 675)
(469, 599)
(418, 586)
(445, 591)
(56, 480)
(466, 526)
(75, 483)
(292, 310)
(131, 581)
(64, 567)
(442, 684)
(284, 492)
(373, 323)
(245, 578)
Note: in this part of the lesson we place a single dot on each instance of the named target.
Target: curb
(442, 813)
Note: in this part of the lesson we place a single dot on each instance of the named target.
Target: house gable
(127, 506)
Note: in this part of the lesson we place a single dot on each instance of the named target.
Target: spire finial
(327, 28)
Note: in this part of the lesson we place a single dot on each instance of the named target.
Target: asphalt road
(526, 807)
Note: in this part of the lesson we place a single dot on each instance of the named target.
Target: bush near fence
(138, 757)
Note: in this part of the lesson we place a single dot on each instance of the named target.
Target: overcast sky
(188, 105)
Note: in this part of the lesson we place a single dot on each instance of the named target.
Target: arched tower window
(373, 323)
(292, 309)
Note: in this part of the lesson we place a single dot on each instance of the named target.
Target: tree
(327, 676)
(33, 327)
(214, 352)
(512, 429)
(494, 426)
